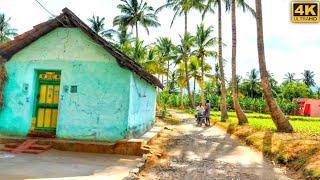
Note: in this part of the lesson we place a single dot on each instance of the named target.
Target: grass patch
(303, 125)
(171, 119)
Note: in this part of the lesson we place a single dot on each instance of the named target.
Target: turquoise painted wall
(142, 106)
(99, 110)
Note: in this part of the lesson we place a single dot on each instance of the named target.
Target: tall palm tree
(182, 81)
(289, 77)
(198, 70)
(242, 119)
(204, 41)
(308, 78)
(97, 25)
(6, 32)
(250, 87)
(277, 115)
(182, 8)
(165, 49)
(223, 105)
(139, 51)
(135, 13)
(195, 73)
(153, 63)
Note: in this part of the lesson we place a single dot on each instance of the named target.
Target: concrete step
(33, 151)
(25, 145)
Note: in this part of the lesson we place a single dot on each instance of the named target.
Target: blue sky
(289, 47)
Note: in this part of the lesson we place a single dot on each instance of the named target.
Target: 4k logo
(305, 12)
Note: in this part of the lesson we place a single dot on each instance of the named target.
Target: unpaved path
(208, 153)
(65, 165)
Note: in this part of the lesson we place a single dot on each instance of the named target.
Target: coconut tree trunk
(277, 115)
(137, 32)
(161, 79)
(181, 97)
(202, 88)
(194, 89)
(168, 69)
(185, 56)
(223, 105)
(242, 119)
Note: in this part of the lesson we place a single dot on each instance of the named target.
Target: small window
(73, 89)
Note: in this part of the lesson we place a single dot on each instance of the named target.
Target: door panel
(56, 94)
(47, 118)
(49, 98)
(40, 117)
(43, 91)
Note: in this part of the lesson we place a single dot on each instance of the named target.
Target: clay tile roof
(69, 19)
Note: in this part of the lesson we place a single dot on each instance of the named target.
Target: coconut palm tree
(289, 77)
(198, 70)
(277, 115)
(251, 86)
(165, 48)
(139, 51)
(223, 105)
(308, 78)
(97, 25)
(195, 73)
(242, 119)
(6, 32)
(182, 8)
(136, 13)
(182, 81)
(153, 63)
(204, 42)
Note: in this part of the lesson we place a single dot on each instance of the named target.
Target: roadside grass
(299, 150)
(171, 119)
(301, 124)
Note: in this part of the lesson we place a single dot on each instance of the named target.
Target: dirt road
(208, 153)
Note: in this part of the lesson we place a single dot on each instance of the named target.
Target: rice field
(301, 124)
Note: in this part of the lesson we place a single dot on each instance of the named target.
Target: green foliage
(248, 104)
(6, 32)
(294, 89)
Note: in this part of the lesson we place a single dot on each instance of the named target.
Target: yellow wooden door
(47, 101)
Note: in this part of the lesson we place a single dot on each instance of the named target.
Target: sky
(289, 47)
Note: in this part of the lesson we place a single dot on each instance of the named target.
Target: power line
(52, 15)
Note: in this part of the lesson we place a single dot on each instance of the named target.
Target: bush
(165, 100)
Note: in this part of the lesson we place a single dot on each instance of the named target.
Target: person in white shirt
(200, 112)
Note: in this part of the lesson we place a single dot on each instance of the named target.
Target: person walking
(207, 112)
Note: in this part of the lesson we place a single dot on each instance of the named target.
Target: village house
(66, 81)
(308, 107)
